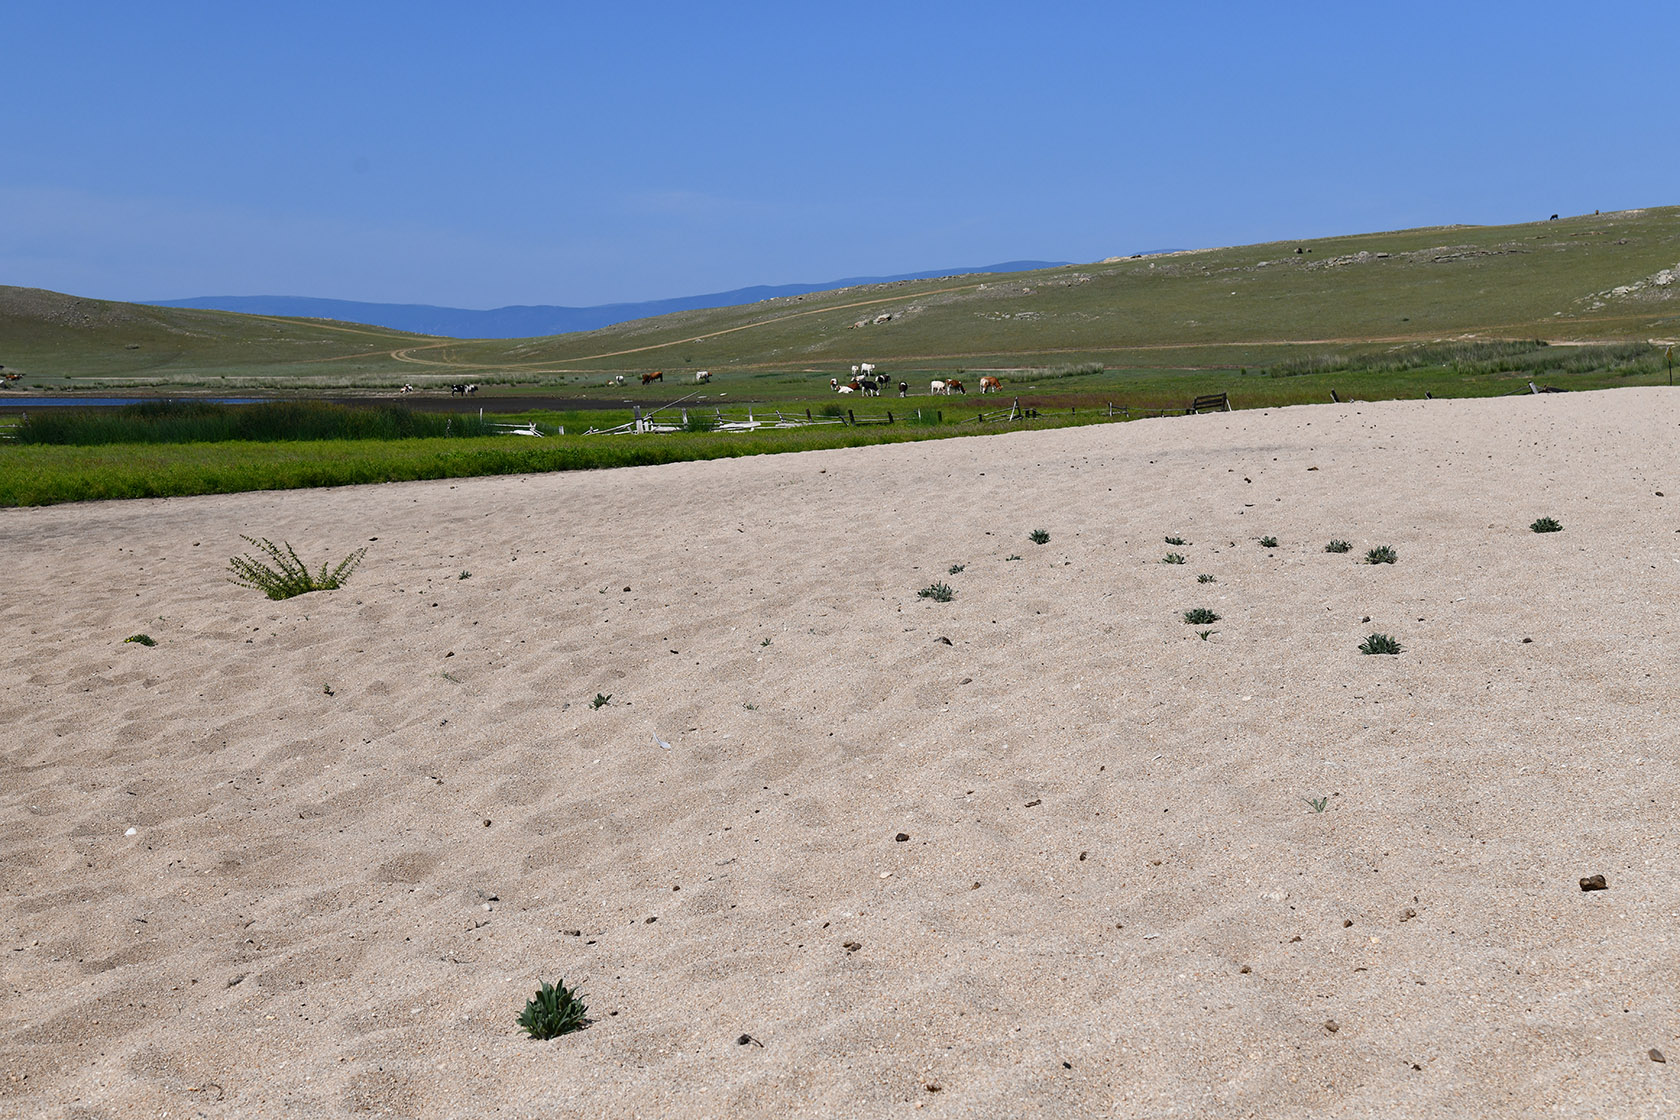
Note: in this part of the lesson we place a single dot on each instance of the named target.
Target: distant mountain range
(531, 322)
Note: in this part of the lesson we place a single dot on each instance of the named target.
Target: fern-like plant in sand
(283, 574)
(553, 1011)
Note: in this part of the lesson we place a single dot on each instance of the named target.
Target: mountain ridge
(539, 320)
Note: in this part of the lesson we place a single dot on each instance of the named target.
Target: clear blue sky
(480, 155)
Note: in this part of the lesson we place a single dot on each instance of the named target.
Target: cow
(703, 377)
(868, 387)
(656, 375)
(406, 389)
(904, 388)
(865, 368)
(619, 380)
(457, 390)
(990, 385)
(844, 389)
(955, 386)
(936, 387)
(1553, 218)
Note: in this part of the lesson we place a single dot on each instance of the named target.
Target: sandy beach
(366, 822)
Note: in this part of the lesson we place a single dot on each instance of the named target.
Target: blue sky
(482, 155)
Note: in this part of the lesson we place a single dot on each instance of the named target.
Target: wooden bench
(1210, 402)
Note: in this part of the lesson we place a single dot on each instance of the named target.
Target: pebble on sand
(1594, 883)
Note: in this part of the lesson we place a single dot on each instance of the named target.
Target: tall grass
(42, 475)
(207, 422)
(1473, 358)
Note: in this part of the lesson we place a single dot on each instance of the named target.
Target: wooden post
(685, 419)
(939, 416)
(889, 416)
(1334, 399)
(807, 414)
(851, 418)
(636, 409)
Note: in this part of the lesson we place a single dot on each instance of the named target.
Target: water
(9, 401)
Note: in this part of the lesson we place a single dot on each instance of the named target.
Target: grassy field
(1603, 277)
(90, 454)
(1451, 311)
(48, 474)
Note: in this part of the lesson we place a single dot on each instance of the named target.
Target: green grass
(1176, 541)
(939, 593)
(1200, 616)
(141, 639)
(1380, 643)
(43, 475)
(1547, 525)
(207, 422)
(1338, 546)
(552, 1011)
(1268, 542)
(1173, 558)
(1382, 554)
(1039, 536)
(1205, 578)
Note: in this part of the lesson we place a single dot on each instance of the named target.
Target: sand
(367, 822)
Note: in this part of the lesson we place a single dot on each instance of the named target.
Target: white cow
(702, 377)
(937, 387)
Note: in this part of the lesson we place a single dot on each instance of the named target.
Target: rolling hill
(1593, 277)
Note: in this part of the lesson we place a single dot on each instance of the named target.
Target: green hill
(53, 339)
(1609, 277)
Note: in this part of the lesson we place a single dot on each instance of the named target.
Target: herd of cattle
(864, 380)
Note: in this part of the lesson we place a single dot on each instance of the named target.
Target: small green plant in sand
(600, 701)
(764, 643)
(553, 1011)
(750, 707)
(464, 574)
(1338, 546)
(1382, 554)
(1547, 525)
(1200, 616)
(939, 593)
(1204, 635)
(1176, 541)
(141, 640)
(1205, 578)
(1319, 804)
(1380, 643)
(1268, 542)
(283, 575)
(1173, 558)
(955, 568)
(1039, 536)
(1006, 559)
